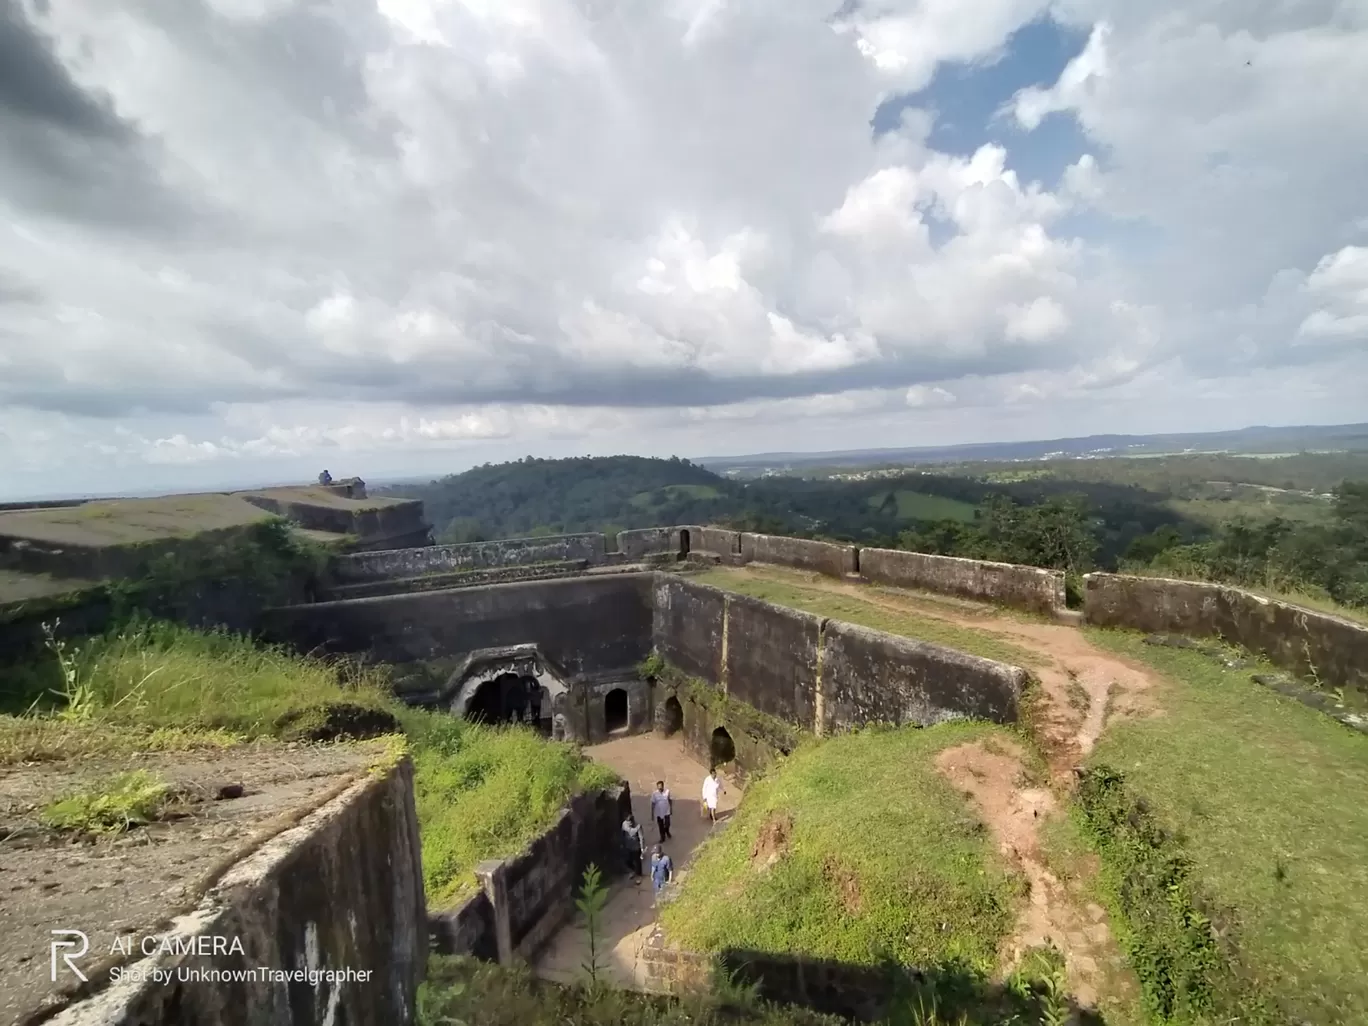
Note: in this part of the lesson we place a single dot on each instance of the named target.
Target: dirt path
(629, 915)
(1082, 690)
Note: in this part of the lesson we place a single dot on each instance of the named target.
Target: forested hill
(534, 496)
(1177, 516)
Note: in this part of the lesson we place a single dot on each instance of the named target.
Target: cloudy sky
(242, 240)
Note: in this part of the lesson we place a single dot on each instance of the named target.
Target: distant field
(660, 496)
(918, 506)
(1267, 795)
(1255, 505)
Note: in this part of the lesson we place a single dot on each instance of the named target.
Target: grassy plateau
(853, 849)
(1266, 796)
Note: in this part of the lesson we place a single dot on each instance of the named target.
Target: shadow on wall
(868, 993)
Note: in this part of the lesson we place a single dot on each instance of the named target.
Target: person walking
(661, 807)
(712, 786)
(633, 846)
(662, 869)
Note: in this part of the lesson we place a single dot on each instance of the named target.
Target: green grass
(919, 506)
(852, 609)
(481, 792)
(669, 493)
(157, 674)
(1267, 798)
(125, 801)
(1255, 505)
(884, 859)
(484, 793)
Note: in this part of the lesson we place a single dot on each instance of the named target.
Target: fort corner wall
(342, 890)
(831, 558)
(1303, 641)
(525, 899)
(820, 676)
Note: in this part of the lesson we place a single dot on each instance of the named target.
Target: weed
(128, 800)
(592, 897)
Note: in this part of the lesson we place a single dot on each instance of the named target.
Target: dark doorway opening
(504, 699)
(615, 710)
(671, 717)
(683, 544)
(721, 749)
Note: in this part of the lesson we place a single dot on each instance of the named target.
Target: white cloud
(444, 224)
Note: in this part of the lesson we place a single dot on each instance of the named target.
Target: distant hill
(535, 496)
(1250, 440)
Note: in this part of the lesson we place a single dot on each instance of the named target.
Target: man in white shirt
(661, 807)
(633, 846)
(712, 786)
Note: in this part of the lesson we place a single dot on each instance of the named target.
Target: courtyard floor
(630, 913)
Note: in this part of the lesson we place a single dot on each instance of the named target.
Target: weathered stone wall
(715, 540)
(1024, 587)
(584, 625)
(526, 898)
(1306, 642)
(831, 558)
(755, 749)
(342, 890)
(649, 541)
(437, 559)
(772, 658)
(817, 675)
(872, 677)
(688, 629)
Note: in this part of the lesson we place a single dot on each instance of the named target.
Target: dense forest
(1209, 517)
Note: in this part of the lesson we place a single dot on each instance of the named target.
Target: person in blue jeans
(661, 870)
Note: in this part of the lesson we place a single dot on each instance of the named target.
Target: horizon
(382, 480)
(245, 241)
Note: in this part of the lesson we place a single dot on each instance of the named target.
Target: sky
(245, 240)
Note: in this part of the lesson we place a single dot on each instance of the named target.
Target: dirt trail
(1082, 690)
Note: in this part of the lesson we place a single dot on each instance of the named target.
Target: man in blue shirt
(661, 869)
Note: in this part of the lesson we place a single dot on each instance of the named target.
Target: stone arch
(499, 699)
(721, 747)
(671, 716)
(615, 707)
(535, 691)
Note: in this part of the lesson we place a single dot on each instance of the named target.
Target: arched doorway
(721, 749)
(615, 710)
(504, 699)
(671, 717)
(684, 543)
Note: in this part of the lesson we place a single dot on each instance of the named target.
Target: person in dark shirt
(662, 869)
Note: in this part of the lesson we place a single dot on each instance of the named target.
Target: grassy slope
(1261, 787)
(649, 500)
(868, 806)
(789, 590)
(481, 792)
